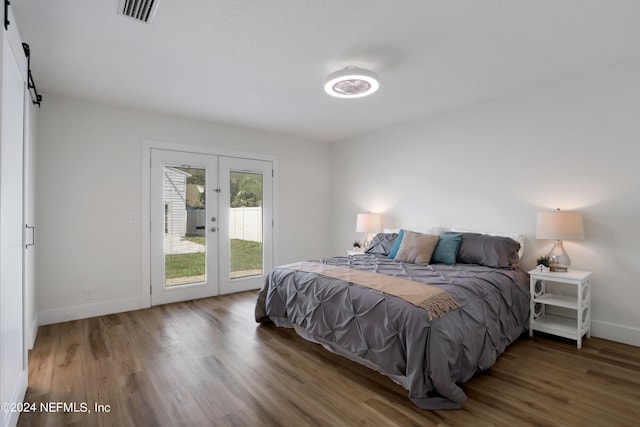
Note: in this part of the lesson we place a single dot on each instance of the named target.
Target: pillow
(381, 243)
(434, 229)
(396, 245)
(518, 237)
(416, 248)
(447, 248)
(490, 251)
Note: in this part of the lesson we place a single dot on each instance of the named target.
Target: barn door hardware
(35, 96)
(6, 14)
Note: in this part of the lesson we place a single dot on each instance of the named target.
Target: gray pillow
(416, 248)
(382, 243)
(490, 251)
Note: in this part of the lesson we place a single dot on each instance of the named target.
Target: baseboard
(613, 332)
(31, 339)
(85, 311)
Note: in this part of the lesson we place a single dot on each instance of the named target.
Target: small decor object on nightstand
(357, 249)
(543, 264)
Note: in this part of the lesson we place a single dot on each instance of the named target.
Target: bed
(481, 306)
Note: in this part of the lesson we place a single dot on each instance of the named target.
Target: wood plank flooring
(207, 363)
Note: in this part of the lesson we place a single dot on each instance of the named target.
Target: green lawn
(184, 265)
(245, 255)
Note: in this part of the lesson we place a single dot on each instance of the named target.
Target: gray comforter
(429, 358)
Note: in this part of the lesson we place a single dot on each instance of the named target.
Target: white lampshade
(559, 225)
(368, 223)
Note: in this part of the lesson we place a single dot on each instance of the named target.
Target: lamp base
(367, 241)
(559, 261)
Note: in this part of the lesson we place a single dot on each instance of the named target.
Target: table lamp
(368, 223)
(559, 225)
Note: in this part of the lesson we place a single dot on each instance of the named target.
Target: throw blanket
(435, 301)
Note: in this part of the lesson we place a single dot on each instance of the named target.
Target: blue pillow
(396, 245)
(447, 248)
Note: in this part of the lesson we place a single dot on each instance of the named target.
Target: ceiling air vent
(140, 10)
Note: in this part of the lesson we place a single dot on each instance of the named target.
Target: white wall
(85, 238)
(571, 144)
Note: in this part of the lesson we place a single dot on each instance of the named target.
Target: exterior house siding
(175, 185)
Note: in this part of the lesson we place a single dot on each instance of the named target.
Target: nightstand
(572, 292)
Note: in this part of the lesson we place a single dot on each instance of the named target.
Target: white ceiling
(262, 63)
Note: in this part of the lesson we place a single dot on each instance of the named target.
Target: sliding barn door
(12, 349)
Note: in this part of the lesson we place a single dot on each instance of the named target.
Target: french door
(183, 255)
(211, 224)
(246, 223)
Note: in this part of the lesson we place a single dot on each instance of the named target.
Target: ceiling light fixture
(351, 82)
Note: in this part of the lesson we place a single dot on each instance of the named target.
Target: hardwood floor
(207, 363)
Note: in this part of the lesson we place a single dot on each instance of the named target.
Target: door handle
(214, 228)
(33, 236)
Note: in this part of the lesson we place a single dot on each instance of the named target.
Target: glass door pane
(185, 237)
(245, 224)
(184, 228)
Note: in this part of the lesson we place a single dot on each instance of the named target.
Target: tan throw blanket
(434, 300)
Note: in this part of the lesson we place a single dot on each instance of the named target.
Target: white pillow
(436, 230)
(518, 237)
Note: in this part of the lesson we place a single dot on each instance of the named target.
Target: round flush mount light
(351, 82)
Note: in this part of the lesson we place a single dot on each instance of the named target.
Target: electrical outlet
(89, 293)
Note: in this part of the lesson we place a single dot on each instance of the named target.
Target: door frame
(145, 208)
